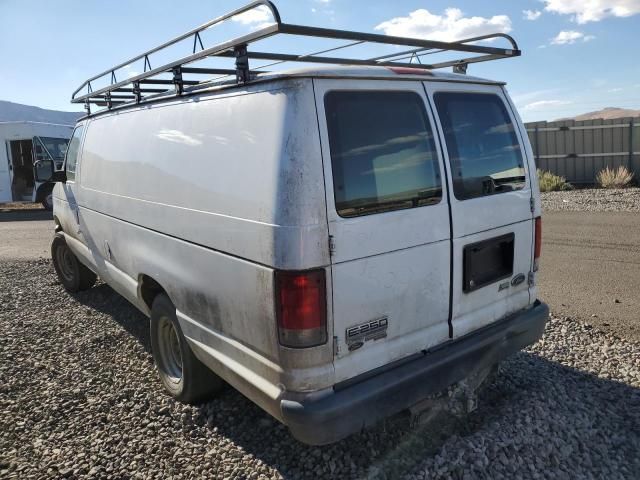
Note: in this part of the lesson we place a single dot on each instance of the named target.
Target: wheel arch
(57, 224)
(148, 290)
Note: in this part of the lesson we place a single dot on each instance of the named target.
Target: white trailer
(23, 143)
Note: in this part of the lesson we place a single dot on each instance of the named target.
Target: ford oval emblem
(518, 279)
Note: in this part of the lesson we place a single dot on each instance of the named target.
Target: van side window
(484, 152)
(383, 153)
(72, 153)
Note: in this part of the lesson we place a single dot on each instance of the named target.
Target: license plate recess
(487, 261)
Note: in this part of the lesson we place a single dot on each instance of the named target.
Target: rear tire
(73, 275)
(183, 376)
(47, 202)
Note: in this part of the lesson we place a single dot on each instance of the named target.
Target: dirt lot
(79, 396)
(591, 268)
(25, 233)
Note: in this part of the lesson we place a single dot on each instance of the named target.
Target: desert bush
(614, 178)
(550, 182)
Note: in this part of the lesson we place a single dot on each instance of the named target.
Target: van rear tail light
(537, 249)
(301, 308)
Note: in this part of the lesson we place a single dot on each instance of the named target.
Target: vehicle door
(71, 188)
(388, 221)
(8, 195)
(47, 149)
(491, 203)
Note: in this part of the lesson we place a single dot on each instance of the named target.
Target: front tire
(183, 376)
(73, 275)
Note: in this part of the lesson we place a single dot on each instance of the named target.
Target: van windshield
(484, 152)
(383, 154)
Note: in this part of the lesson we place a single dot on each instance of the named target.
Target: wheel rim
(170, 351)
(65, 263)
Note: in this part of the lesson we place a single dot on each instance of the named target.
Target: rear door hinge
(532, 204)
(335, 347)
(332, 245)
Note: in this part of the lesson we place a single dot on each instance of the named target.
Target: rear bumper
(349, 409)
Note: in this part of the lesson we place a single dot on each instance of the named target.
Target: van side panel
(233, 172)
(208, 196)
(210, 291)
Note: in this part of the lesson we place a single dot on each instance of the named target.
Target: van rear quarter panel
(207, 195)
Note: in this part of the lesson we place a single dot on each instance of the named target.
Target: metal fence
(578, 150)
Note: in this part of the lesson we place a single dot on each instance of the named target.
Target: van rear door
(491, 203)
(388, 222)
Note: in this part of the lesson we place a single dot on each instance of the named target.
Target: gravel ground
(79, 399)
(593, 200)
(11, 206)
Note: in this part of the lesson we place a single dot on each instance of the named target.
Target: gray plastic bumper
(350, 408)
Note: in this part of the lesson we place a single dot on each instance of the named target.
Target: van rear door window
(383, 154)
(484, 152)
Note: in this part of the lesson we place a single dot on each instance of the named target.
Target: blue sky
(578, 55)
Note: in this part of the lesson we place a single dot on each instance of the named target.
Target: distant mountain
(16, 112)
(606, 114)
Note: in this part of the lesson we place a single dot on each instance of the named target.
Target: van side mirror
(44, 171)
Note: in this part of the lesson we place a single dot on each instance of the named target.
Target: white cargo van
(337, 243)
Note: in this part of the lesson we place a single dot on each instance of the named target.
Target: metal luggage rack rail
(143, 86)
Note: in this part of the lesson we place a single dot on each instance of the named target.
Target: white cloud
(324, 8)
(567, 37)
(522, 99)
(448, 27)
(531, 14)
(258, 17)
(129, 72)
(614, 90)
(584, 11)
(542, 104)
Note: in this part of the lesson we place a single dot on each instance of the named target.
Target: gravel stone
(79, 398)
(593, 200)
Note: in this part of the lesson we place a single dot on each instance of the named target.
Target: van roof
(387, 73)
(335, 72)
(344, 72)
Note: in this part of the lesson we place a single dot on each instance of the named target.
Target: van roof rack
(136, 88)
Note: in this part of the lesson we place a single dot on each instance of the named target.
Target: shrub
(552, 183)
(614, 178)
